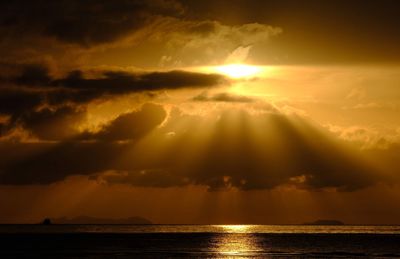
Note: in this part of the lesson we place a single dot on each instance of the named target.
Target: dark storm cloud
(120, 82)
(57, 124)
(33, 75)
(44, 163)
(16, 101)
(13, 104)
(76, 88)
(82, 22)
(233, 156)
(223, 97)
(130, 125)
(51, 108)
(115, 82)
(22, 94)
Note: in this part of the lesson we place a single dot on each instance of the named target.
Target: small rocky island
(46, 221)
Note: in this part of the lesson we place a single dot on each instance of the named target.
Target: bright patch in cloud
(238, 70)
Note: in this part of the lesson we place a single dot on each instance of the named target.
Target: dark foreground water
(198, 241)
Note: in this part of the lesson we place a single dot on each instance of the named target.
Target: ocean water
(198, 241)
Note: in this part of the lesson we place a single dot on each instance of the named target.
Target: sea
(198, 241)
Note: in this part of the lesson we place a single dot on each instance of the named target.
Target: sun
(234, 70)
(238, 70)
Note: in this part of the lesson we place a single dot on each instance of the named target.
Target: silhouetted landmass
(325, 222)
(93, 220)
(46, 221)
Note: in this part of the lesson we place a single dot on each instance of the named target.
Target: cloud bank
(236, 150)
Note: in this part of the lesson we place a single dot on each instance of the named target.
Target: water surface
(198, 241)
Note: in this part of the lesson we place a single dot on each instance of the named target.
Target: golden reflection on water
(238, 241)
(236, 228)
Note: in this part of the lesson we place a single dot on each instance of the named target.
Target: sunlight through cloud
(238, 70)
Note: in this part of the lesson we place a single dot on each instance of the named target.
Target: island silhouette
(46, 221)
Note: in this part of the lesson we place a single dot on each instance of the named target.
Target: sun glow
(238, 70)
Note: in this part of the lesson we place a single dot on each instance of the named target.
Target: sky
(200, 112)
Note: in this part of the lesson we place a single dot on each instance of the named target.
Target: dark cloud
(33, 75)
(57, 124)
(3, 128)
(121, 82)
(243, 151)
(223, 97)
(76, 88)
(130, 126)
(81, 22)
(16, 101)
(115, 82)
(145, 178)
(65, 98)
(43, 163)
